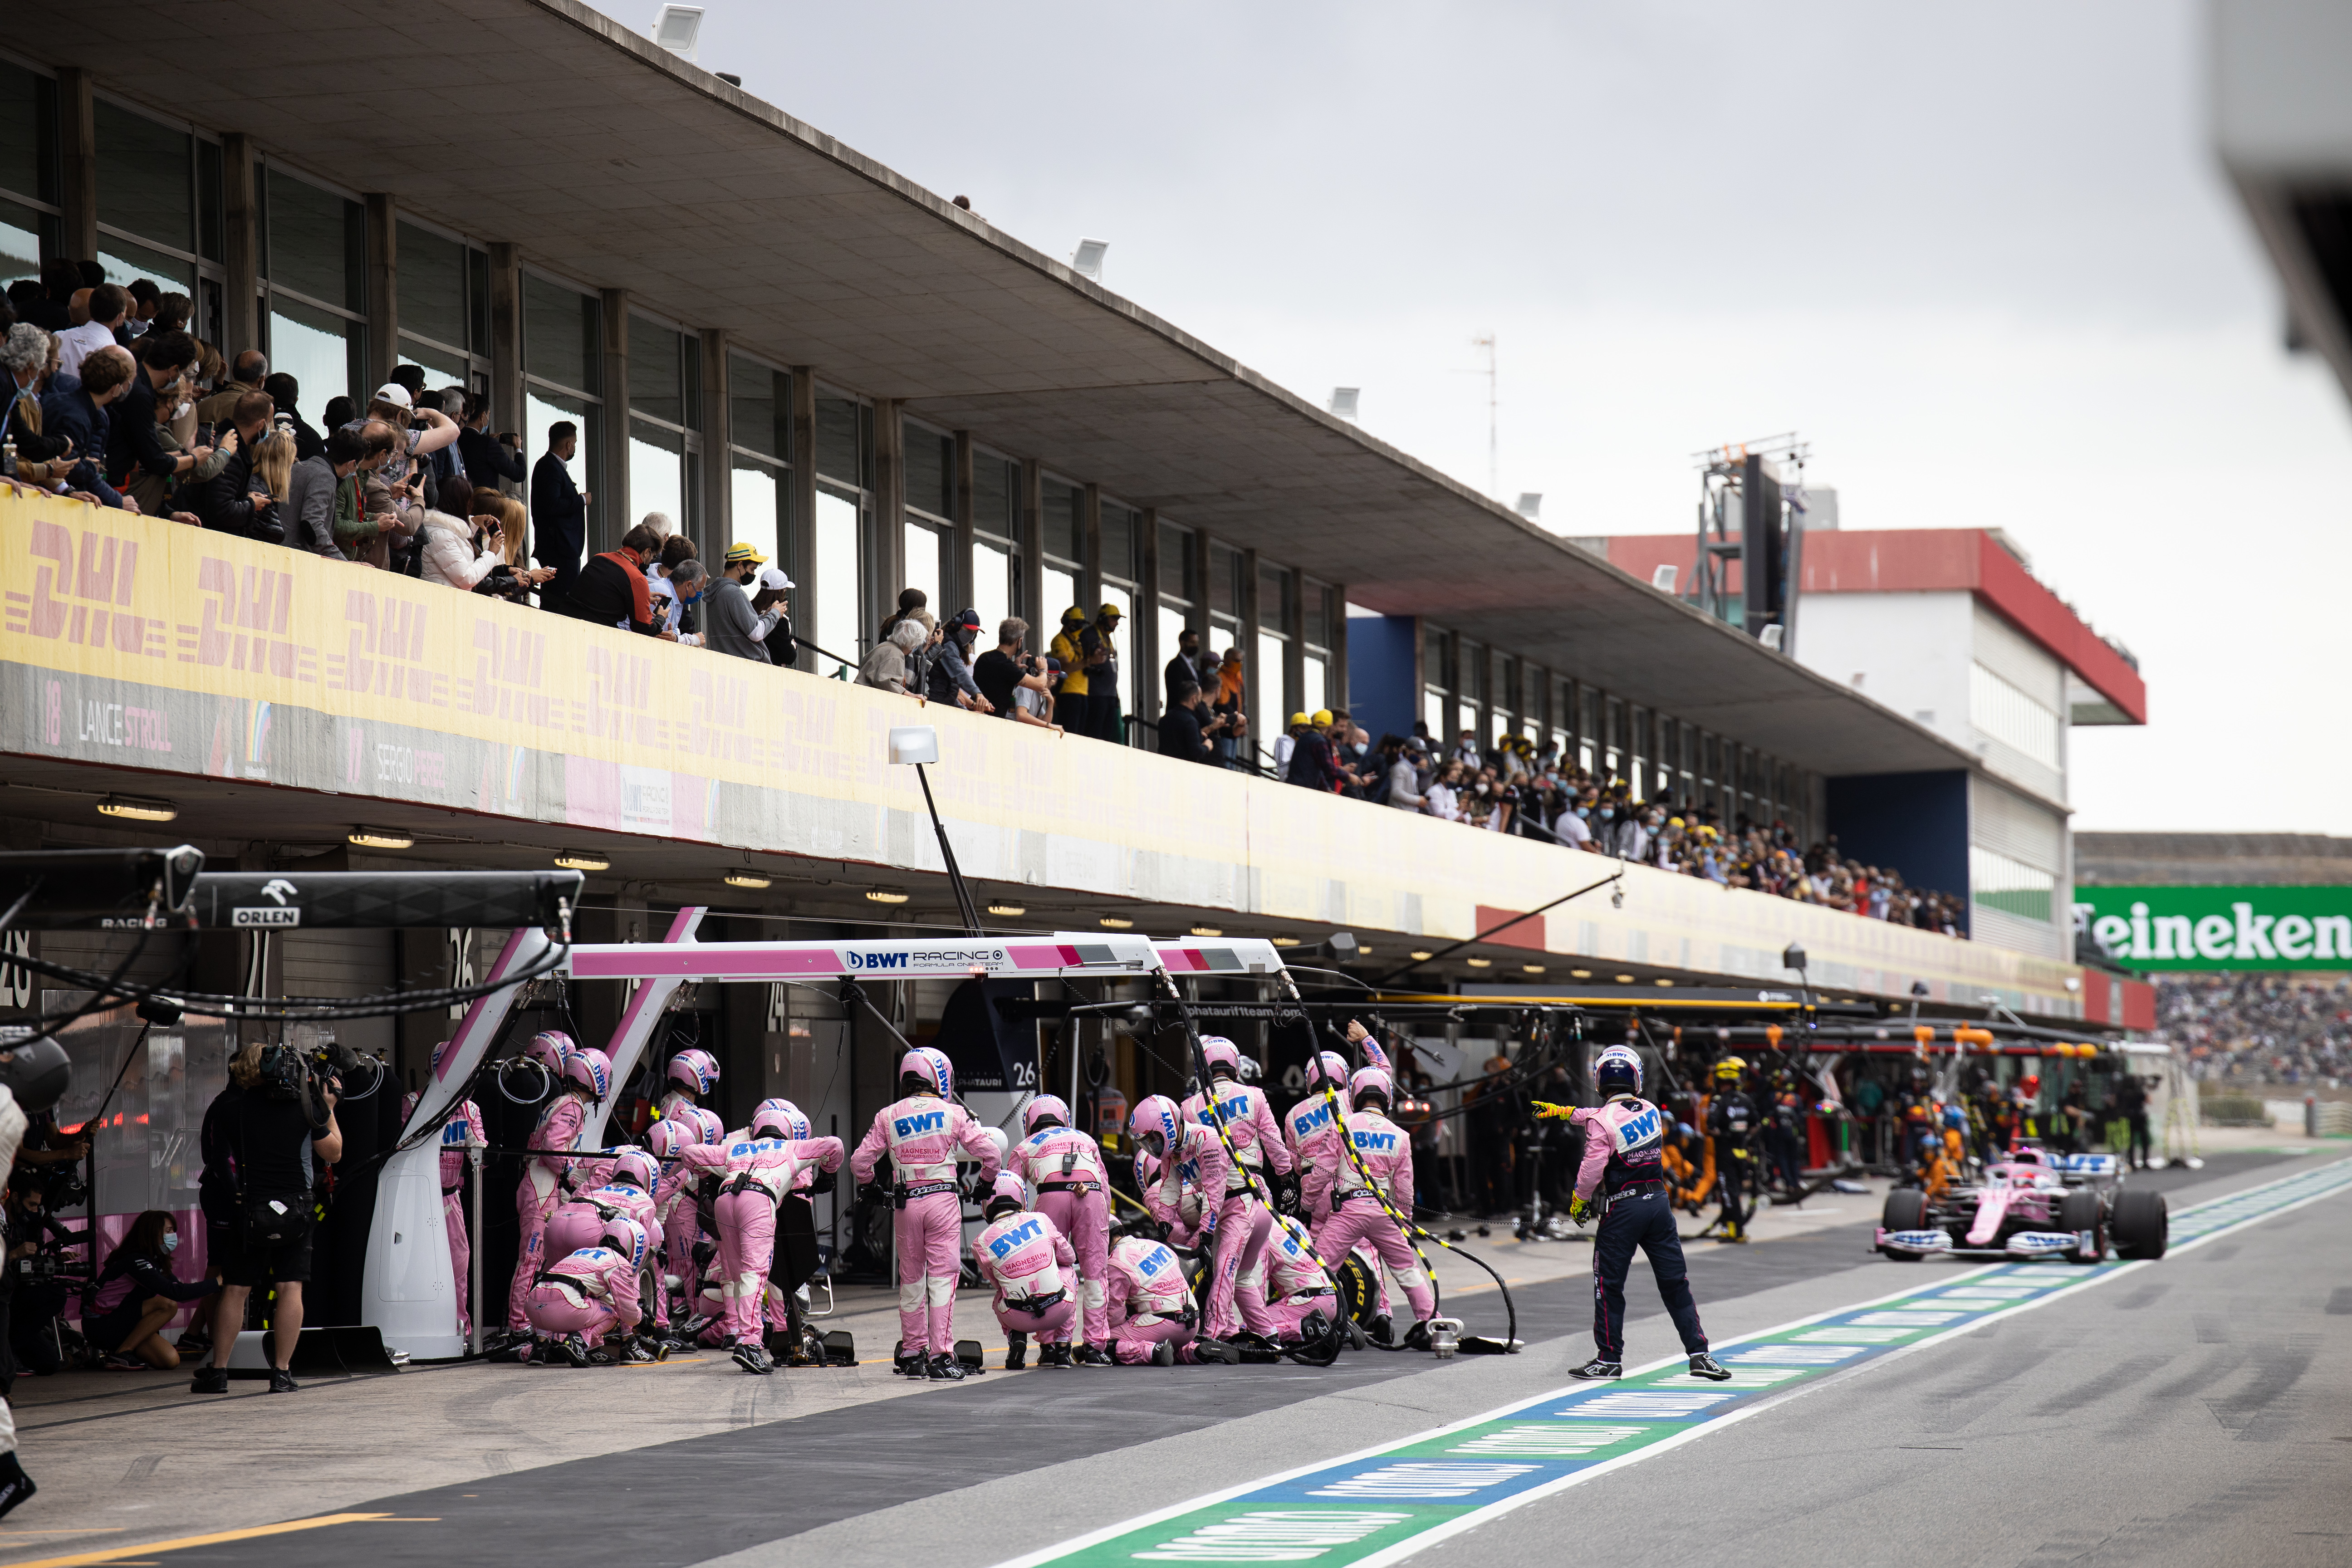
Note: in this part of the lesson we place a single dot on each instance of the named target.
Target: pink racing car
(2034, 1204)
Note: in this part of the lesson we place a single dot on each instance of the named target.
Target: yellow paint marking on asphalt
(120, 1557)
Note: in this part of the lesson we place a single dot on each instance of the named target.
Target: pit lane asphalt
(1064, 1452)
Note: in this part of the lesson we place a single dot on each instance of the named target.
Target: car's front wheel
(2081, 1210)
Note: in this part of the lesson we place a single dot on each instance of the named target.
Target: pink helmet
(932, 1067)
(548, 1047)
(696, 1070)
(1370, 1081)
(636, 1167)
(590, 1069)
(705, 1121)
(1007, 1188)
(775, 1118)
(625, 1237)
(571, 1227)
(1156, 1116)
(1326, 1067)
(1221, 1052)
(670, 1134)
(1043, 1106)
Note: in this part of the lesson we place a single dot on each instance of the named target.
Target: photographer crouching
(266, 1138)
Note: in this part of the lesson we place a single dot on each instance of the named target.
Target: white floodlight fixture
(914, 743)
(1662, 579)
(1530, 504)
(1088, 259)
(676, 28)
(1343, 402)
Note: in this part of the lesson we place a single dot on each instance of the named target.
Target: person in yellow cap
(1732, 1125)
(1102, 675)
(1287, 744)
(1073, 702)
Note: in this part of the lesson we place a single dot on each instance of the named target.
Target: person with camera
(1005, 669)
(265, 1139)
(1189, 729)
(41, 1278)
(136, 1294)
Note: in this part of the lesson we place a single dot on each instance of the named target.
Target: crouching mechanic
(583, 1079)
(1290, 1287)
(1030, 1262)
(756, 1172)
(1151, 1312)
(1370, 1173)
(1245, 1215)
(1622, 1177)
(921, 1133)
(577, 1304)
(686, 1249)
(1190, 1160)
(1065, 1167)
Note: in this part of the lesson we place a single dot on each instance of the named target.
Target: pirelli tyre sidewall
(1359, 1293)
(1905, 1209)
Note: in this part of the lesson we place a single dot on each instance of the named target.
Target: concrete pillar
(1294, 650)
(890, 572)
(382, 287)
(77, 163)
(506, 347)
(1338, 635)
(610, 515)
(959, 578)
(800, 530)
(1205, 592)
(1143, 636)
(716, 526)
(1033, 557)
(240, 246)
(1263, 685)
(1090, 596)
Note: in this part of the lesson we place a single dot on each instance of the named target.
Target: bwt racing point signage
(2220, 928)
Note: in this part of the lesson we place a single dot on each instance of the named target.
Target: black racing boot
(574, 1349)
(1054, 1355)
(1163, 1354)
(1090, 1355)
(945, 1369)
(1597, 1368)
(1016, 1352)
(752, 1357)
(1707, 1366)
(15, 1486)
(908, 1363)
(1205, 1349)
(1383, 1331)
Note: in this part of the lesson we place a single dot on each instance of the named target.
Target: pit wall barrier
(136, 643)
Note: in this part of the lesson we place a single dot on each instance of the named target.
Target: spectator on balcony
(1231, 704)
(311, 490)
(1188, 665)
(1073, 699)
(487, 459)
(458, 549)
(398, 486)
(25, 355)
(1188, 729)
(1004, 674)
(237, 501)
(1101, 643)
(737, 623)
(1312, 765)
(559, 514)
(80, 411)
(45, 309)
(1285, 746)
(1443, 800)
(135, 442)
(910, 601)
(107, 305)
(770, 600)
(950, 678)
(285, 392)
(173, 314)
(146, 298)
(669, 611)
(1405, 791)
(889, 663)
(250, 370)
(611, 588)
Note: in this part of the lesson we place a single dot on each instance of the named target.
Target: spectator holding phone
(1004, 672)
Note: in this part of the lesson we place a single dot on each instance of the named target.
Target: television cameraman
(265, 1139)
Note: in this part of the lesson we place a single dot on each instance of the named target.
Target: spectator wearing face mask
(311, 491)
(1188, 665)
(135, 439)
(250, 370)
(285, 392)
(888, 664)
(950, 678)
(136, 1293)
(611, 589)
(669, 611)
(734, 624)
(81, 412)
(237, 501)
(487, 459)
(24, 359)
(1404, 779)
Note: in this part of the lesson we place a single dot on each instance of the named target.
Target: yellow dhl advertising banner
(136, 642)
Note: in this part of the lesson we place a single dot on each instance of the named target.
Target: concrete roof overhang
(548, 125)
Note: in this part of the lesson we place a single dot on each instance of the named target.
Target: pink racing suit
(464, 1127)
(1386, 1152)
(755, 1175)
(1066, 1167)
(922, 1134)
(1313, 1128)
(1149, 1302)
(1032, 1266)
(1202, 1165)
(623, 1199)
(1243, 1220)
(681, 1223)
(1288, 1283)
(590, 1293)
(537, 1194)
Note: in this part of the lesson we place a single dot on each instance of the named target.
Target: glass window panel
(930, 471)
(432, 285)
(759, 498)
(1064, 530)
(1061, 590)
(1315, 600)
(690, 371)
(656, 474)
(839, 428)
(655, 365)
(1226, 567)
(208, 200)
(1274, 599)
(1432, 714)
(1313, 683)
(20, 242)
(144, 177)
(1122, 547)
(125, 262)
(838, 578)
(447, 369)
(28, 118)
(559, 334)
(1270, 691)
(759, 407)
(991, 586)
(478, 300)
(922, 567)
(995, 491)
(318, 351)
(315, 246)
(1177, 578)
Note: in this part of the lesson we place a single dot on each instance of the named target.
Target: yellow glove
(1580, 1209)
(1547, 1110)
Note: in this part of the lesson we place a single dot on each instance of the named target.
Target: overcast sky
(1981, 258)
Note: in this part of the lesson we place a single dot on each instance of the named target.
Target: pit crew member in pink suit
(1289, 1286)
(1025, 1256)
(591, 1293)
(1384, 1154)
(584, 1079)
(756, 1172)
(463, 1127)
(1151, 1312)
(1064, 1166)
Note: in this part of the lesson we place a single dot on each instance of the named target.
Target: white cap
(773, 577)
(392, 391)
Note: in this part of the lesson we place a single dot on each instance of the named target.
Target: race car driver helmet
(1617, 1070)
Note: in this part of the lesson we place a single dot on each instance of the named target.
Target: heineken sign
(2220, 928)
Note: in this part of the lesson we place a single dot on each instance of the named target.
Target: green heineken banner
(2220, 928)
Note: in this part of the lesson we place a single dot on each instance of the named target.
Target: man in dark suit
(486, 459)
(559, 514)
(1186, 666)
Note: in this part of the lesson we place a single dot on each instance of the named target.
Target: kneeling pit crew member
(1244, 1211)
(1030, 1265)
(1152, 1311)
(581, 1079)
(1065, 1168)
(1290, 1286)
(573, 1306)
(921, 1133)
(756, 1170)
(1620, 1176)
(1193, 1157)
